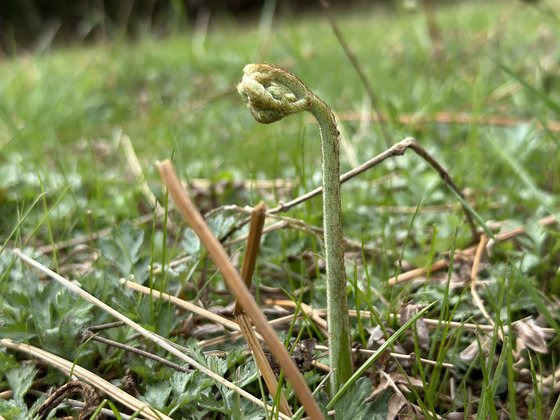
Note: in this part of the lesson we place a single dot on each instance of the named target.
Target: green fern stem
(271, 94)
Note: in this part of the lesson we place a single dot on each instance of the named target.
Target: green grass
(64, 173)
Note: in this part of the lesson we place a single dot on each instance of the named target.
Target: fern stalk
(271, 94)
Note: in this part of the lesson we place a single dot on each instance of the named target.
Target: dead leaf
(383, 385)
(376, 338)
(423, 334)
(206, 330)
(469, 353)
(408, 311)
(404, 381)
(396, 403)
(531, 336)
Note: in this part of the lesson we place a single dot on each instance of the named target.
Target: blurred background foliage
(29, 23)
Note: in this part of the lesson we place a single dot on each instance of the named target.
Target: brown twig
(258, 217)
(89, 335)
(235, 336)
(84, 375)
(191, 307)
(262, 362)
(397, 149)
(91, 399)
(171, 348)
(307, 310)
(474, 276)
(470, 251)
(237, 286)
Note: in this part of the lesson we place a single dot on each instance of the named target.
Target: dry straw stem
(470, 251)
(235, 336)
(307, 310)
(262, 362)
(237, 286)
(258, 217)
(434, 323)
(191, 307)
(138, 328)
(474, 276)
(402, 356)
(85, 375)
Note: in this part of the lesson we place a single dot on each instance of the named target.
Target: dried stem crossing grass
(238, 287)
(138, 328)
(247, 269)
(70, 368)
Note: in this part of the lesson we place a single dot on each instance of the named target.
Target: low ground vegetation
(81, 130)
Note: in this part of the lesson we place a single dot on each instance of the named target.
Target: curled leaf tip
(272, 93)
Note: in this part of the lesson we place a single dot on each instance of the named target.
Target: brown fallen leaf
(471, 351)
(396, 403)
(531, 336)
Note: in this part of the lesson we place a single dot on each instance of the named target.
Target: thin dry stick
(262, 362)
(85, 375)
(191, 307)
(138, 328)
(258, 217)
(417, 272)
(308, 310)
(396, 356)
(237, 287)
(90, 397)
(474, 276)
(89, 335)
(519, 230)
(108, 413)
(361, 74)
(204, 313)
(297, 224)
(434, 323)
(397, 149)
(470, 251)
(231, 337)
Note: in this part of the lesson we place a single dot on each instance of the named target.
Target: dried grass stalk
(237, 286)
